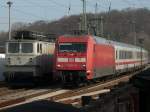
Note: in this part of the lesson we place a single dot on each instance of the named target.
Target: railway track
(6, 90)
(74, 96)
(25, 96)
(66, 96)
(2, 84)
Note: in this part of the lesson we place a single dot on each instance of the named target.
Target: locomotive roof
(105, 41)
(100, 40)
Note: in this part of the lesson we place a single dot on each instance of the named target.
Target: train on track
(29, 57)
(85, 57)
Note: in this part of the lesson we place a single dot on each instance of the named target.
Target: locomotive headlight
(84, 65)
(58, 65)
(30, 60)
(88, 71)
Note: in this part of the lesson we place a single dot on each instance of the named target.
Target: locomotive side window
(72, 47)
(27, 47)
(13, 47)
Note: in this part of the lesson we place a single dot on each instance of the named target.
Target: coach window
(124, 54)
(131, 55)
(46, 48)
(120, 54)
(127, 55)
(38, 48)
(116, 55)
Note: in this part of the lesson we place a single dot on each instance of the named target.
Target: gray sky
(29, 11)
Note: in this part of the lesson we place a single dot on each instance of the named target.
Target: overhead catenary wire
(63, 5)
(133, 23)
(4, 23)
(34, 3)
(140, 3)
(3, 6)
(24, 12)
(57, 3)
(46, 7)
(131, 4)
(27, 13)
(33, 15)
(39, 6)
(91, 3)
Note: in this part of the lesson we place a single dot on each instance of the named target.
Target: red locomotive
(86, 57)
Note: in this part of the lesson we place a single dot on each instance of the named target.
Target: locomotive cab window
(72, 47)
(13, 47)
(27, 47)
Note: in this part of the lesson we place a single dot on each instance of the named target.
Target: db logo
(71, 59)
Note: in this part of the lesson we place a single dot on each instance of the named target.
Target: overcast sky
(29, 11)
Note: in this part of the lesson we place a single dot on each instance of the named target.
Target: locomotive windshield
(72, 47)
(13, 47)
(20, 47)
(27, 47)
